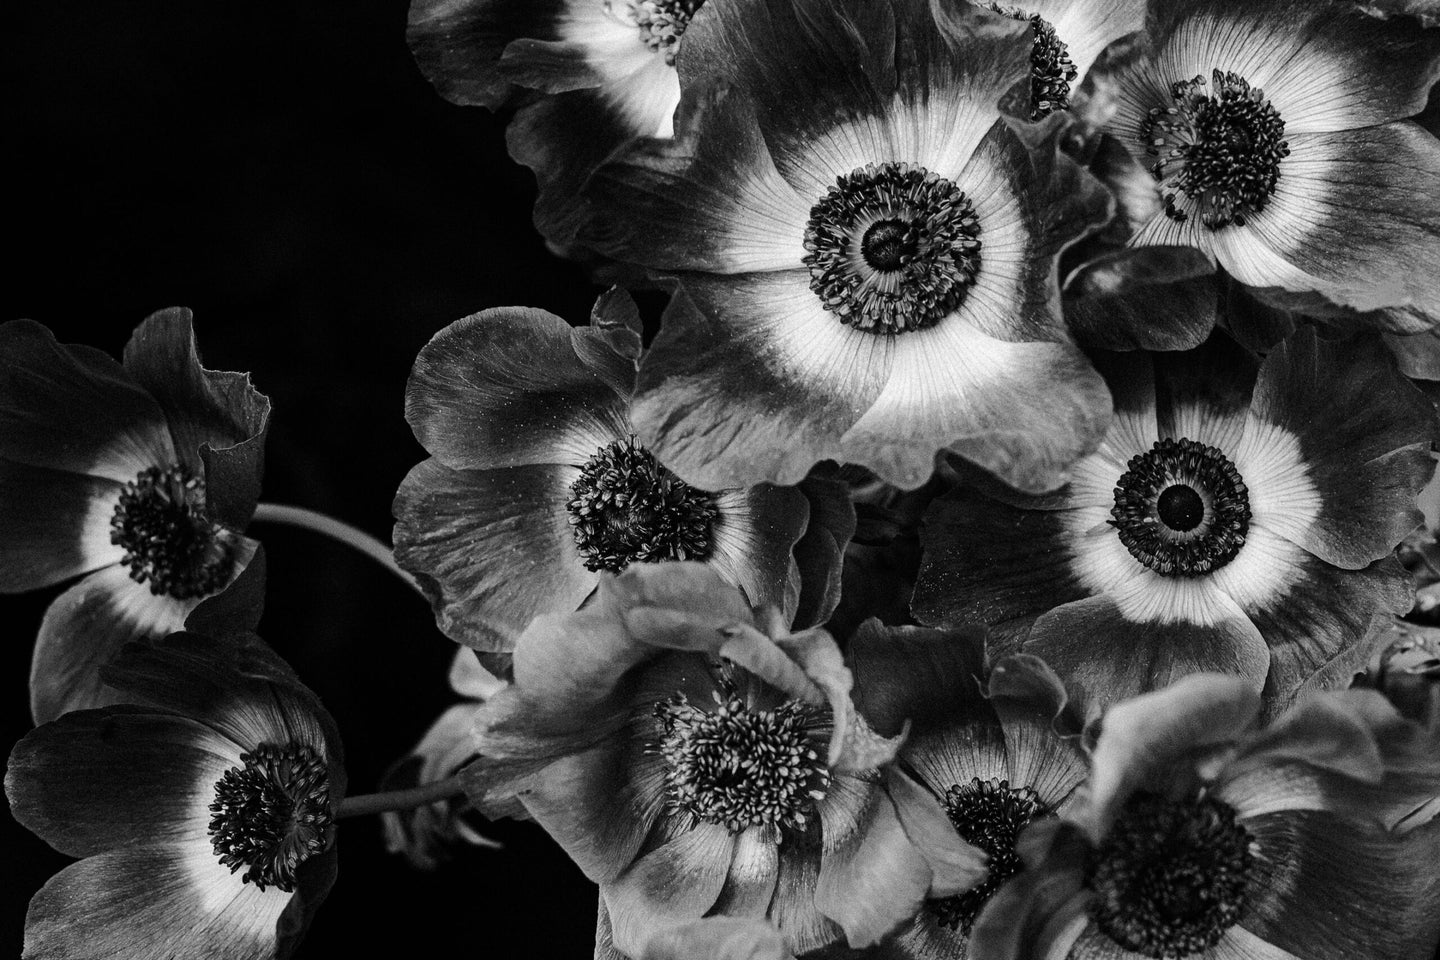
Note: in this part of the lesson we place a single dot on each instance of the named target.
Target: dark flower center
(627, 508)
(272, 814)
(892, 247)
(1181, 508)
(1172, 876)
(988, 814)
(1222, 150)
(661, 22)
(167, 535)
(1051, 69)
(739, 767)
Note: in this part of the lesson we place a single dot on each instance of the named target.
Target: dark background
(284, 170)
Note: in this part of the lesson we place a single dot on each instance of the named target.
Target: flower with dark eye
(708, 769)
(537, 485)
(137, 477)
(866, 250)
(1274, 137)
(1235, 519)
(1201, 834)
(202, 810)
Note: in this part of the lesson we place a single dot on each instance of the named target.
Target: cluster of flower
(896, 599)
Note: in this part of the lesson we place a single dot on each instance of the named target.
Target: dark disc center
(1180, 508)
(887, 244)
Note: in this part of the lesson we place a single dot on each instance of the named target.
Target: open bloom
(866, 251)
(1200, 835)
(139, 477)
(590, 76)
(203, 809)
(1273, 134)
(1233, 520)
(697, 760)
(536, 484)
(996, 753)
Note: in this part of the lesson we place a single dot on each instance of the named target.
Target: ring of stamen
(892, 247)
(1172, 875)
(1221, 150)
(661, 22)
(272, 814)
(1051, 69)
(626, 507)
(739, 767)
(169, 540)
(988, 814)
(1181, 508)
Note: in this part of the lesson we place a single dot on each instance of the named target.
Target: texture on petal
(1043, 915)
(52, 392)
(1142, 298)
(911, 674)
(457, 43)
(753, 540)
(53, 525)
(820, 552)
(676, 882)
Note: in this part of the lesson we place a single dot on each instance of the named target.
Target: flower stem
(368, 803)
(336, 530)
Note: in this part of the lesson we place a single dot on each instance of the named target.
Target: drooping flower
(202, 809)
(589, 76)
(1234, 519)
(537, 486)
(996, 752)
(138, 477)
(697, 760)
(1201, 835)
(866, 251)
(1273, 134)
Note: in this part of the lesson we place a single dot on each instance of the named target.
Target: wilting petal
(203, 407)
(493, 548)
(94, 780)
(73, 408)
(150, 902)
(516, 386)
(53, 525)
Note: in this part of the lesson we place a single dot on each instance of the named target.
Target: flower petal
(924, 677)
(1142, 298)
(457, 43)
(205, 409)
(153, 901)
(515, 386)
(1042, 914)
(73, 408)
(492, 548)
(753, 541)
(54, 525)
(1040, 727)
(820, 551)
(1090, 26)
(676, 882)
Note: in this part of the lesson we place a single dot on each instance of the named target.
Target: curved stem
(336, 530)
(426, 793)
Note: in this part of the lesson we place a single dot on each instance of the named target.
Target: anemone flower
(591, 75)
(1274, 136)
(202, 809)
(866, 251)
(536, 485)
(1235, 520)
(996, 752)
(697, 760)
(138, 477)
(1201, 835)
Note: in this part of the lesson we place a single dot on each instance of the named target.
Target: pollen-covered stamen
(738, 767)
(168, 537)
(1181, 508)
(892, 247)
(272, 814)
(988, 814)
(1221, 150)
(1172, 876)
(1051, 69)
(628, 508)
(661, 22)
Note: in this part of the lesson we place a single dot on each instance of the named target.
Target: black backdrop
(283, 169)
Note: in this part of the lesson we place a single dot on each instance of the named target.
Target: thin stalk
(336, 530)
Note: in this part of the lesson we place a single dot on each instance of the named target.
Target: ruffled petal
(457, 43)
(492, 548)
(753, 539)
(53, 525)
(95, 780)
(754, 381)
(217, 420)
(151, 902)
(820, 551)
(516, 387)
(1336, 449)
(74, 409)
